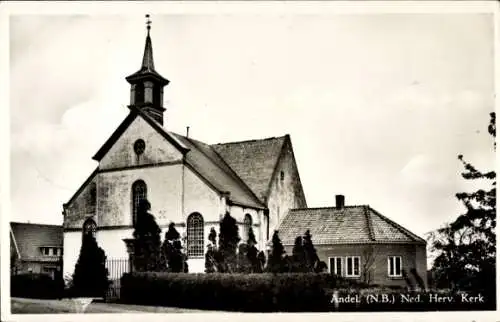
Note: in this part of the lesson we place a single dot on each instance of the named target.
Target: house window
(336, 265)
(195, 228)
(89, 227)
(352, 264)
(55, 251)
(46, 251)
(394, 266)
(247, 223)
(139, 193)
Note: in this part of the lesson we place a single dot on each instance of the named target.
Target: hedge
(33, 285)
(294, 292)
(286, 292)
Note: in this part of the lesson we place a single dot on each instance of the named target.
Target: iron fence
(116, 268)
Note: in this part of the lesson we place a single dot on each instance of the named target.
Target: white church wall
(164, 192)
(157, 149)
(201, 198)
(72, 242)
(111, 241)
(81, 207)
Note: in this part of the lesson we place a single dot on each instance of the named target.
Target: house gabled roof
(254, 161)
(30, 237)
(347, 225)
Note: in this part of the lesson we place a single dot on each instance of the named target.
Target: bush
(34, 285)
(235, 292)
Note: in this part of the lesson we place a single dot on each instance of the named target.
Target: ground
(33, 306)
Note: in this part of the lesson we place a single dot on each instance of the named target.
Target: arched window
(139, 192)
(195, 240)
(89, 227)
(247, 223)
(139, 93)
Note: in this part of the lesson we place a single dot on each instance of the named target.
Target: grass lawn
(36, 306)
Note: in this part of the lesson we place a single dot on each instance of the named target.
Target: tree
(275, 262)
(210, 256)
(90, 278)
(252, 253)
(369, 254)
(243, 262)
(261, 257)
(298, 256)
(148, 255)
(466, 247)
(172, 250)
(311, 256)
(228, 243)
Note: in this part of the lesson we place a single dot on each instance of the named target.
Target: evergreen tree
(148, 255)
(90, 278)
(228, 243)
(252, 252)
(466, 247)
(210, 256)
(262, 262)
(172, 250)
(275, 261)
(298, 256)
(312, 259)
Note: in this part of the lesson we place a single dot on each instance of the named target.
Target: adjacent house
(36, 248)
(360, 243)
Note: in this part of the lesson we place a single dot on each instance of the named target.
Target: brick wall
(373, 260)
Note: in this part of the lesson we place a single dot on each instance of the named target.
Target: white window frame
(394, 264)
(334, 258)
(353, 266)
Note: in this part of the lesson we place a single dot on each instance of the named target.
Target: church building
(187, 182)
(193, 184)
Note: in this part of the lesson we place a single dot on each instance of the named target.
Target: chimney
(339, 201)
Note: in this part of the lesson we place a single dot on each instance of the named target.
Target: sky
(378, 106)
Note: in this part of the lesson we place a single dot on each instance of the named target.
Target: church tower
(146, 91)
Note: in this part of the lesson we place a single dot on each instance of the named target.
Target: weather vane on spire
(148, 22)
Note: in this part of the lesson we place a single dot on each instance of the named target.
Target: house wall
(377, 271)
(287, 193)
(157, 149)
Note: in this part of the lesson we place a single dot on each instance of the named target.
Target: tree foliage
(90, 278)
(148, 254)
(176, 260)
(466, 247)
(275, 263)
(228, 243)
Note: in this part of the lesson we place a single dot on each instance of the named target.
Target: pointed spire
(147, 60)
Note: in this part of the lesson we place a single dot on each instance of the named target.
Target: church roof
(346, 225)
(253, 161)
(204, 160)
(148, 65)
(201, 157)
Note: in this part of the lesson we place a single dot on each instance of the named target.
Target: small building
(36, 248)
(360, 243)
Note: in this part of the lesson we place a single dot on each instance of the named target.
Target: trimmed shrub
(235, 292)
(33, 285)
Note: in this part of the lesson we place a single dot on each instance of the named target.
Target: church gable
(139, 144)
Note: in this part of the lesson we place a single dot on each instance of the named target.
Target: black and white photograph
(238, 157)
